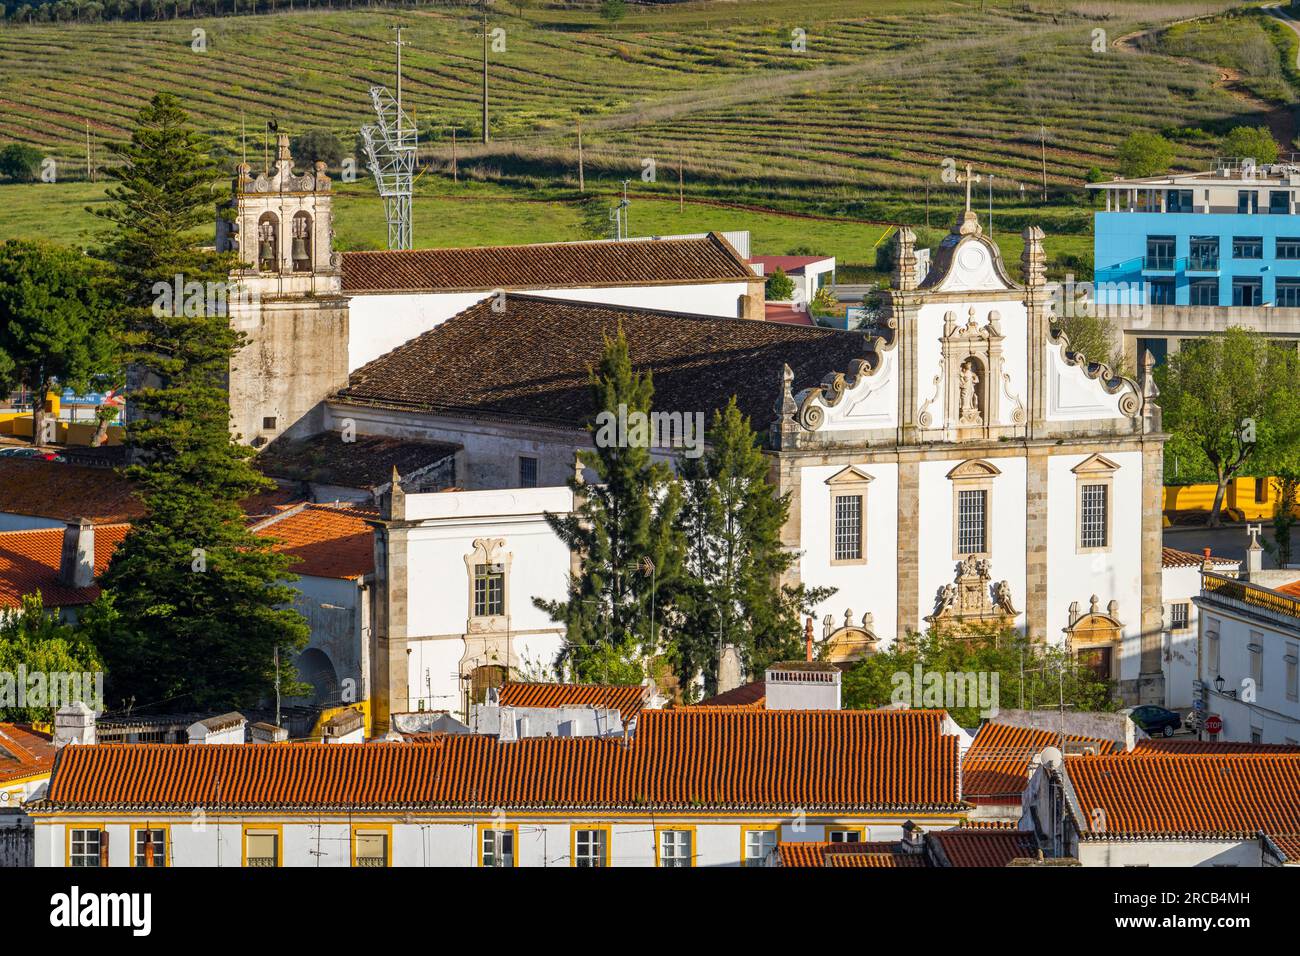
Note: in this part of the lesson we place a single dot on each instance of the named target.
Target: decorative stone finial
(1033, 261)
(904, 278)
(282, 148)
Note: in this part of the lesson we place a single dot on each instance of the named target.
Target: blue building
(1197, 252)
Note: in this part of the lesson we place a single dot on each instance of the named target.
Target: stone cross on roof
(968, 179)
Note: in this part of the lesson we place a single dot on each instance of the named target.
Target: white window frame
(91, 859)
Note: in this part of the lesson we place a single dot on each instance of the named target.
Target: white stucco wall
(1275, 712)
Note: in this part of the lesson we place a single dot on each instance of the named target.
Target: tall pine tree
(624, 533)
(194, 610)
(731, 522)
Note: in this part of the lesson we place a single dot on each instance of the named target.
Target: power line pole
(1042, 139)
(486, 134)
(582, 183)
(455, 175)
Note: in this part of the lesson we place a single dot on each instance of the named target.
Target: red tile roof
(64, 492)
(983, 846)
(24, 752)
(1168, 746)
(1287, 844)
(627, 700)
(872, 854)
(29, 562)
(546, 266)
(996, 767)
(1292, 589)
(753, 695)
(1173, 558)
(678, 760)
(1145, 795)
(329, 541)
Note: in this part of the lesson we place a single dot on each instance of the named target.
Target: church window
(489, 590)
(972, 521)
(1179, 616)
(848, 527)
(527, 472)
(1093, 523)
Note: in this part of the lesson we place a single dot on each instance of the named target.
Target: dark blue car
(1156, 721)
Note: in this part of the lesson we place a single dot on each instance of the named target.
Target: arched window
(314, 667)
(268, 243)
(301, 248)
(484, 678)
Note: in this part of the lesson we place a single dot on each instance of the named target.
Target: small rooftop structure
(802, 685)
(222, 729)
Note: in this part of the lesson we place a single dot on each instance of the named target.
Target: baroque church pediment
(975, 468)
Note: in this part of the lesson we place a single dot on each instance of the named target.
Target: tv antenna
(390, 150)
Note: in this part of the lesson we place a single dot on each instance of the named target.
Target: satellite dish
(1051, 757)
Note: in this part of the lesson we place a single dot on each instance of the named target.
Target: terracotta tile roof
(678, 760)
(753, 694)
(1199, 795)
(872, 854)
(29, 562)
(996, 766)
(983, 847)
(329, 541)
(367, 462)
(1174, 746)
(627, 700)
(1287, 844)
(264, 504)
(1292, 589)
(64, 492)
(531, 361)
(24, 752)
(1173, 558)
(546, 266)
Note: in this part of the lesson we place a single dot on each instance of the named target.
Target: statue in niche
(968, 381)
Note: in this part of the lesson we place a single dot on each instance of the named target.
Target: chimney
(223, 729)
(1254, 553)
(264, 733)
(77, 561)
(74, 724)
(803, 685)
(913, 838)
(808, 638)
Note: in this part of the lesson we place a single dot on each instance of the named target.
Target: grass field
(856, 126)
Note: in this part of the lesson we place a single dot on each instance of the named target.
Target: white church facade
(959, 467)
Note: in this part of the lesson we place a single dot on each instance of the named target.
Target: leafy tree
(779, 286)
(196, 604)
(824, 301)
(318, 145)
(1287, 486)
(1145, 154)
(39, 643)
(55, 322)
(20, 163)
(1236, 398)
(1093, 335)
(613, 10)
(1256, 143)
(623, 532)
(1028, 673)
(731, 523)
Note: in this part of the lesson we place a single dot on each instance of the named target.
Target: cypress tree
(194, 609)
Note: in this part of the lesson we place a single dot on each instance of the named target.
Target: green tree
(613, 10)
(196, 604)
(39, 643)
(730, 523)
(623, 531)
(1145, 154)
(1093, 335)
(1235, 398)
(318, 145)
(20, 163)
(1287, 487)
(1253, 142)
(779, 287)
(55, 322)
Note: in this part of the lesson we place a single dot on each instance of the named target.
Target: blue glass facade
(1187, 258)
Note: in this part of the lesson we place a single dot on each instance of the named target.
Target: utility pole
(582, 183)
(681, 197)
(927, 204)
(990, 205)
(1042, 139)
(486, 135)
(455, 175)
(90, 175)
(277, 686)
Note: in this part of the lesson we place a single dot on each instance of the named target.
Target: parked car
(1156, 721)
(23, 451)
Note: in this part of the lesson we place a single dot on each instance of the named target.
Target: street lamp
(1218, 683)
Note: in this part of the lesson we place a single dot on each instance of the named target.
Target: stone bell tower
(286, 298)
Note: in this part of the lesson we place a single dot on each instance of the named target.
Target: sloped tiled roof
(64, 492)
(1197, 795)
(678, 760)
(546, 266)
(1287, 844)
(1185, 746)
(996, 766)
(29, 562)
(871, 854)
(328, 541)
(1173, 558)
(628, 700)
(367, 461)
(1292, 589)
(983, 847)
(753, 694)
(24, 752)
(532, 359)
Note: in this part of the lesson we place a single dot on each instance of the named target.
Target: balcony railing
(1203, 263)
(1250, 595)
(261, 861)
(371, 861)
(1158, 263)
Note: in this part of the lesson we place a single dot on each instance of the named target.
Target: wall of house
(338, 612)
(1170, 853)
(453, 840)
(1275, 712)
(380, 323)
(1178, 652)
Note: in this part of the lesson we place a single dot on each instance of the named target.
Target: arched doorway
(1094, 640)
(315, 668)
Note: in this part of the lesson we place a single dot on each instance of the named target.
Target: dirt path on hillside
(1281, 120)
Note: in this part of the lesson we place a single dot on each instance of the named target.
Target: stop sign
(1214, 724)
